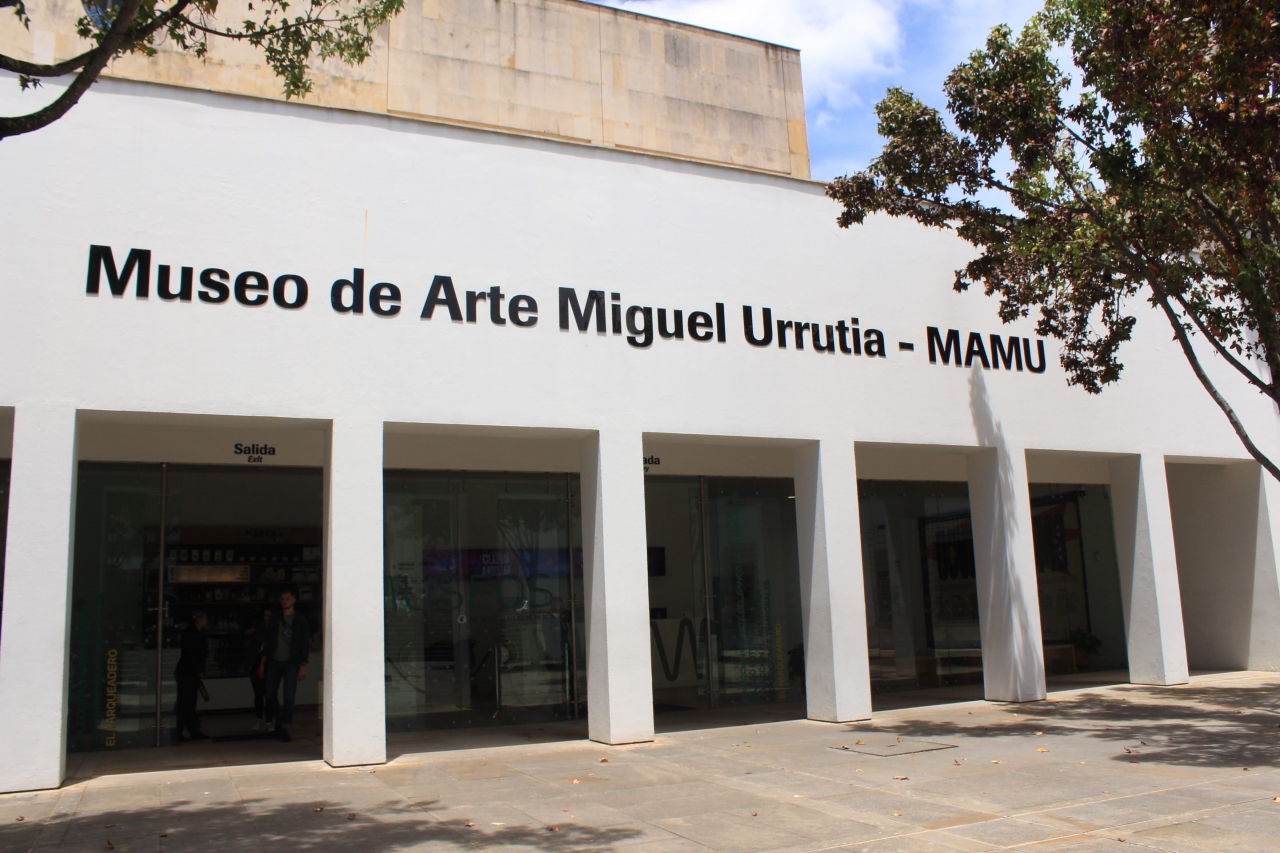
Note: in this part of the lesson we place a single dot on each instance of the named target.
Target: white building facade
(531, 424)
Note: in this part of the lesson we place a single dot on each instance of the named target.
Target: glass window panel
(920, 584)
(112, 691)
(736, 539)
(480, 599)
(1081, 619)
(234, 538)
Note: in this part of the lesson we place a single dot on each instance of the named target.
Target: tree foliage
(291, 36)
(1150, 169)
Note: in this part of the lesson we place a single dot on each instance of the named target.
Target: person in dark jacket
(188, 672)
(284, 661)
(255, 643)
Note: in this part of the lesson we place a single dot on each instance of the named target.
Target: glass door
(113, 684)
(724, 592)
(153, 545)
(483, 597)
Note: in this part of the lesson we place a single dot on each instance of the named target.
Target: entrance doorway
(724, 592)
(153, 543)
(1081, 616)
(921, 586)
(483, 599)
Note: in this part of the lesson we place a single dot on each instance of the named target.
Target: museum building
(530, 357)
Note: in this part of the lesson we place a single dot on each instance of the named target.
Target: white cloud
(840, 41)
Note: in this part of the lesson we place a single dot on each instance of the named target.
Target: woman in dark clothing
(189, 671)
(254, 646)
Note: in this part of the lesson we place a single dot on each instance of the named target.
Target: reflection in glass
(1081, 619)
(112, 691)
(482, 614)
(754, 649)
(920, 584)
(234, 538)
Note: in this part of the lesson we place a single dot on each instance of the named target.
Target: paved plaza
(1187, 768)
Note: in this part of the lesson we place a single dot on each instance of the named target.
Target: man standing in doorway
(189, 671)
(284, 659)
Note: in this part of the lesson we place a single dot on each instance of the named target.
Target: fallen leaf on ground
(1039, 734)
(753, 814)
(1128, 750)
(575, 781)
(553, 829)
(472, 824)
(1041, 749)
(497, 823)
(319, 808)
(846, 746)
(956, 761)
(860, 742)
(604, 761)
(1244, 768)
(19, 817)
(996, 761)
(900, 778)
(748, 772)
(351, 816)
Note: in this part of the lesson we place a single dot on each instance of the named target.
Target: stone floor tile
(809, 823)
(729, 832)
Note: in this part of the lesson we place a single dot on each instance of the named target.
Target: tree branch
(1180, 333)
(33, 69)
(1253, 378)
(111, 42)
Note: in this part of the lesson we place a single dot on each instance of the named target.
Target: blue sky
(851, 51)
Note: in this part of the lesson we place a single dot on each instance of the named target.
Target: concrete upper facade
(564, 69)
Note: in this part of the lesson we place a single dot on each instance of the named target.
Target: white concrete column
(837, 669)
(1008, 590)
(37, 595)
(355, 726)
(1148, 570)
(1264, 625)
(619, 677)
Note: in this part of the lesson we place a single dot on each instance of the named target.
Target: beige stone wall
(559, 68)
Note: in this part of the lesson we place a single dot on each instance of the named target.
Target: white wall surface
(217, 182)
(1216, 515)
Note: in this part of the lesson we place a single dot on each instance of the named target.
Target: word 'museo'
(584, 312)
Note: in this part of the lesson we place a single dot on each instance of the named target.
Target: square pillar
(837, 670)
(1005, 561)
(37, 595)
(1148, 570)
(355, 723)
(619, 674)
(1264, 624)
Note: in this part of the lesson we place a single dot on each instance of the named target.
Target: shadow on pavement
(295, 826)
(1185, 725)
